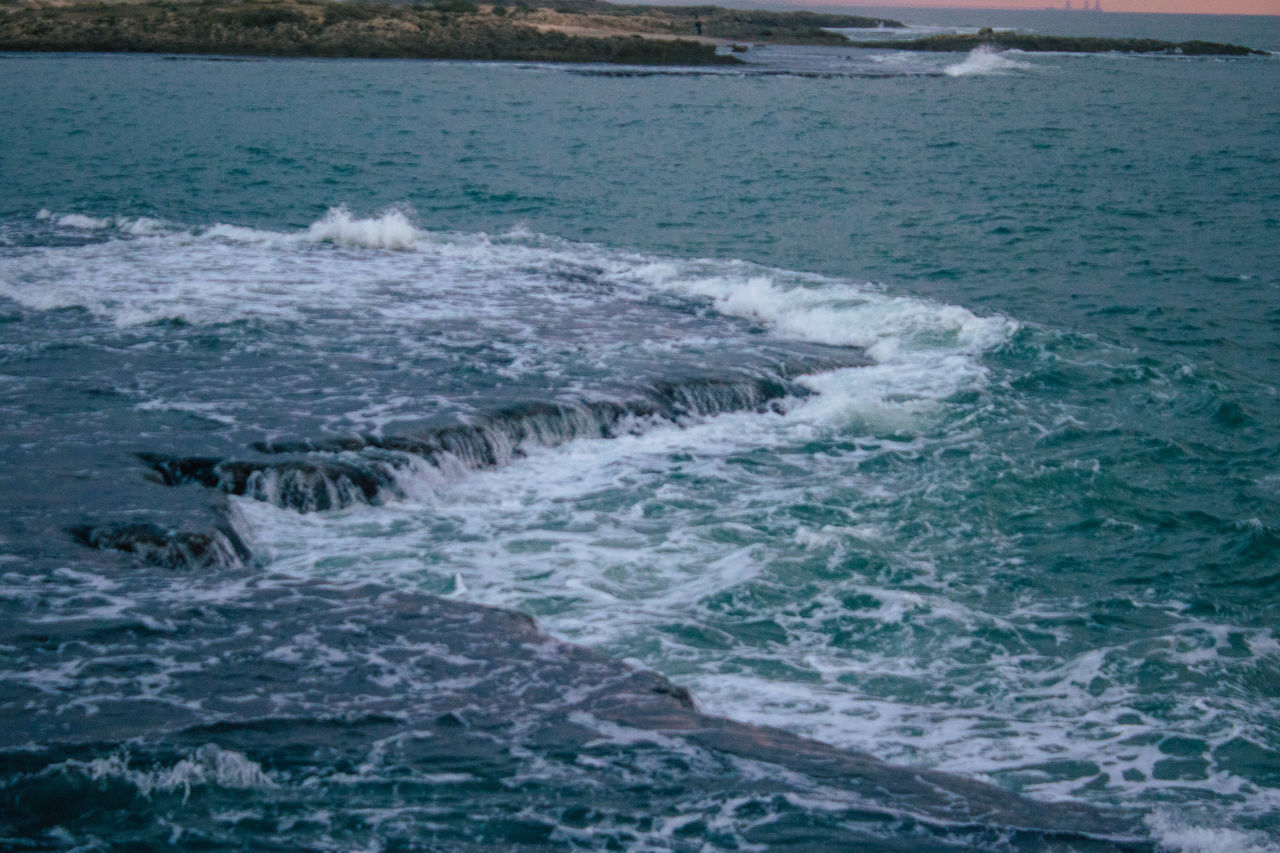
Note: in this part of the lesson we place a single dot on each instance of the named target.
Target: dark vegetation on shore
(324, 29)
(1063, 44)
(568, 31)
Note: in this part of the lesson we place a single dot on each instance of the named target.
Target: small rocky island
(1061, 44)
(568, 31)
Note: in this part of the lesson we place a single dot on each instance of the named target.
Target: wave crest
(136, 226)
(209, 765)
(836, 313)
(984, 59)
(391, 230)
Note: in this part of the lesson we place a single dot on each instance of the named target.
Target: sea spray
(985, 60)
(392, 230)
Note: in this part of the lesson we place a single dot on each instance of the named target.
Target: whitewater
(498, 474)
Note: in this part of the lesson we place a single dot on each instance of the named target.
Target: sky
(1186, 7)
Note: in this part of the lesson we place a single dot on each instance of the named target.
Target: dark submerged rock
(308, 680)
(316, 475)
(426, 685)
(171, 549)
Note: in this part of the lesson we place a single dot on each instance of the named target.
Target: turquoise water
(921, 405)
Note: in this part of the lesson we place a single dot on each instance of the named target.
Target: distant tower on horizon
(1067, 8)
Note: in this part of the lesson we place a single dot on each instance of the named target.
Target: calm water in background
(1035, 540)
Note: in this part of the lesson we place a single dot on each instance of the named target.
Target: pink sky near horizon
(1183, 7)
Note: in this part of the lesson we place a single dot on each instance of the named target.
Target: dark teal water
(924, 406)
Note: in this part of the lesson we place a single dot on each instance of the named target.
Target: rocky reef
(717, 22)
(1063, 44)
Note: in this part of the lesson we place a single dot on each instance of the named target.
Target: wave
(409, 275)
(208, 765)
(833, 312)
(335, 473)
(984, 60)
(392, 230)
(922, 352)
(648, 331)
(80, 222)
(1176, 831)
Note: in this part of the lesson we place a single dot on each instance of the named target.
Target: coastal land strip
(526, 30)
(569, 31)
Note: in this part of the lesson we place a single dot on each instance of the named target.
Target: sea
(854, 449)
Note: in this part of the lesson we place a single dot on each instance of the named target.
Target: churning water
(910, 411)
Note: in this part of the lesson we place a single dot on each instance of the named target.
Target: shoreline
(578, 31)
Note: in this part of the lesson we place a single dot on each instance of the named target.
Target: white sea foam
(832, 312)
(88, 223)
(1175, 831)
(208, 765)
(140, 225)
(78, 221)
(626, 545)
(725, 552)
(983, 60)
(391, 230)
(516, 286)
(925, 351)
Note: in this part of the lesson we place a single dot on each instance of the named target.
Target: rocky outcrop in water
(317, 475)
(1062, 44)
(292, 695)
(160, 546)
(755, 25)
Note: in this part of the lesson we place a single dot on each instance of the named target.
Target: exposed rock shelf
(1062, 44)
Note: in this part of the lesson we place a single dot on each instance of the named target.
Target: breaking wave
(327, 474)
(401, 276)
(208, 765)
(391, 230)
(985, 60)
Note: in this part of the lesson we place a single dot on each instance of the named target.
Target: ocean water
(857, 449)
